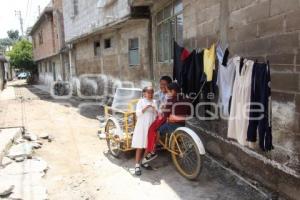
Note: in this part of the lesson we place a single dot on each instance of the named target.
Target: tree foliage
(13, 37)
(21, 55)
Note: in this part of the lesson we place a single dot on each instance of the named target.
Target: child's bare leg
(138, 156)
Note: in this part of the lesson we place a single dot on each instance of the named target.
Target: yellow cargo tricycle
(184, 144)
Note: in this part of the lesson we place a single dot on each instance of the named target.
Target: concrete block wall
(91, 17)
(114, 61)
(262, 30)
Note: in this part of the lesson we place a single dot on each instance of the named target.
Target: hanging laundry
(261, 95)
(239, 112)
(180, 54)
(225, 57)
(192, 73)
(225, 82)
(209, 62)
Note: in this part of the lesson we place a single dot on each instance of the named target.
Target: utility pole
(19, 14)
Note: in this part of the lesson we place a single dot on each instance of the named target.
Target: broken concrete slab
(30, 193)
(50, 138)
(36, 145)
(26, 186)
(6, 161)
(21, 150)
(35, 165)
(30, 137)
(19, 141)
(20, 159)
(6, 189)
(44, 136)
(7, 136)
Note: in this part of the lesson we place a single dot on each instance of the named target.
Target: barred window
(169, 27)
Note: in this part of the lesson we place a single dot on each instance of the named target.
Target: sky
(28, 8)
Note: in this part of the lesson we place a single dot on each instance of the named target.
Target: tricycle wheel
(112, 139)
(187, 158)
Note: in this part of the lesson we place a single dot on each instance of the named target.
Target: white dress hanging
(239, 113)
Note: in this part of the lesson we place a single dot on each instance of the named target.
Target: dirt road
(80, 168)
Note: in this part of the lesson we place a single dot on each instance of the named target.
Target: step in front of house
(277, 170)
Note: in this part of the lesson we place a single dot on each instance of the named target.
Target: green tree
(21, 56)
(13, 35)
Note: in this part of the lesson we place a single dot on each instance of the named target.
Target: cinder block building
(49, 44)
(133, 40)
(108, 37)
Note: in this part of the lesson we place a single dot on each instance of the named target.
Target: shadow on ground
(214, 182)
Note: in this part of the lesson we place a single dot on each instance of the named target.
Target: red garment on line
(160, 120)
(184, 54)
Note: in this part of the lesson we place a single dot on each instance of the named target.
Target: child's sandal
(138, 171)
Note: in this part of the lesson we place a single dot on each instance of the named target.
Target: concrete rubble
(21, 172)
(30, 136)
(6, 161)
(21, 150)
(6, 189)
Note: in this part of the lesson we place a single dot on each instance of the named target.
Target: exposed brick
(286, 81)
(271, 26)
(279, 6)
(281, 59)
(238, 4)
(250, 14)
(293, 21)
(283, 97)
(281, 68)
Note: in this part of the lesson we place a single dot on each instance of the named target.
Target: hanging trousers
(260, 94)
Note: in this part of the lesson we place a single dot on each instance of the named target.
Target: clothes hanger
(241, 64)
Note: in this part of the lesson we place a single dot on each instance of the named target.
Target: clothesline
(240, 82)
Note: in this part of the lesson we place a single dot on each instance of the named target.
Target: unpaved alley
(80, 168)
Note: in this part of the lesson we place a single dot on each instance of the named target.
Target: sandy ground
(81, 168)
